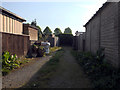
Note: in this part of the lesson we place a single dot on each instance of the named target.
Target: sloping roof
(100, 9)
(3, 10)
(28, 25)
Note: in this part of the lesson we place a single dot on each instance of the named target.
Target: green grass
(46, 72)
(53, 49)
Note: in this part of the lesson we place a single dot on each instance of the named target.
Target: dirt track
(19, 77)
(69, 74)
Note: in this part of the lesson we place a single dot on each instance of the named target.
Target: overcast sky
(55, 14)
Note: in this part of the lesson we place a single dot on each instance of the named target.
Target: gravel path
(21, 76)
(69, 74)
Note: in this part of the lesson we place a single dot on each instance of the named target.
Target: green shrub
(34, 48)
(36, 51)
(98, 70)
(9, 62)
(40, 52)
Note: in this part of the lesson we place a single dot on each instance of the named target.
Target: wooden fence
(15, 44)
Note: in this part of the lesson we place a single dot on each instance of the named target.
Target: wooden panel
(1, 23)
(10, 24)
(4, 20)
(15, 44)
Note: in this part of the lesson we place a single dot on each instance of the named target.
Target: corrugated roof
(104, 5)
(13, 14)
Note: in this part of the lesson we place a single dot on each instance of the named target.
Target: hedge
(66, 39)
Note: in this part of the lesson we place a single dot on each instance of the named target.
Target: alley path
(19, 77)
(69, 74)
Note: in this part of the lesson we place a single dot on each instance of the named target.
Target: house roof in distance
(78, 33)
(3, 10)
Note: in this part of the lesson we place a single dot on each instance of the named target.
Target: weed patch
(53, 49)
(11, 62)
(101, 74)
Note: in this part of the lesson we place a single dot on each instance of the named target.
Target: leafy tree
(57, 31)
(34, 23)
(68, 31)
(27, 23)
(39, 33)
(47, 31)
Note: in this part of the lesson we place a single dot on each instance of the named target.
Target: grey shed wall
(102, 31)
(75, 42)
(119, 32)
(88, 38)
(109, 32)
(80, 37)
(92, 35)
(81, 42)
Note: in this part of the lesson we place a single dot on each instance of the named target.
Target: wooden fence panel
(15, 44)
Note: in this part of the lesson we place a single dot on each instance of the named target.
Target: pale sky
(55, 13)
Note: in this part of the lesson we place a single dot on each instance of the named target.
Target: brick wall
(95, 25)
(109, 32)
(15, 44)
(102, 31)
(119, 31)
(87, 38)
(92, 35)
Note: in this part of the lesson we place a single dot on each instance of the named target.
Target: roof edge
(3, 9)
(101, 8)
(31, 26)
